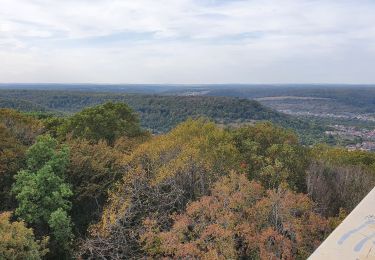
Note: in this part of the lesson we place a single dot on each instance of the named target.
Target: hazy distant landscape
(315, 111)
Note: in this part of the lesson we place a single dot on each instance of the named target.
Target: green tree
(53, 124)
(61, 227)
(104, 122)
(18, 242)
(272, 155)
(41, 190)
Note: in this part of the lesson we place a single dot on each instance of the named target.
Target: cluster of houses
(365, 137)
(350, 132)
(364, 146)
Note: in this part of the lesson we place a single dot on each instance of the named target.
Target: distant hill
(339, 98)
(158, 113)
(21, 105)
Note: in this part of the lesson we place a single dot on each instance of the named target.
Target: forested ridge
(94, 184)
(160, 114)
(357, 97)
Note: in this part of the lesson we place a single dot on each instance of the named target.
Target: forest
(357, 97)
(161, 113)
(95, 184)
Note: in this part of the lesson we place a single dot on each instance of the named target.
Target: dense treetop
(104, 122)
(43, 195)
(94, 184)
(237, 221)
(18, 242)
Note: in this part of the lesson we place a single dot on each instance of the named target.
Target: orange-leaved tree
(240, 220)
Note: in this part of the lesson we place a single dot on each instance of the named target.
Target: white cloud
(187, 41)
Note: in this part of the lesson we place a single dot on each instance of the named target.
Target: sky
(187, 41)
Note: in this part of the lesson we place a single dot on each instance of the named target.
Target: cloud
(187, 41)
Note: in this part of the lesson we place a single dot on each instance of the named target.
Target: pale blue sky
(187, 41)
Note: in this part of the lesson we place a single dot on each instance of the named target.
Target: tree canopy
(240, 220)
(42, 192)
(17, 132)
(18, 242)
(272, 155)
(95, 185)
(104, 122)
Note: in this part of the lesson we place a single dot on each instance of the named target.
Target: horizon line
(175, 84)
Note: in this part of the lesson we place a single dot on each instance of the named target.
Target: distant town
(361, 139)
(361, 117)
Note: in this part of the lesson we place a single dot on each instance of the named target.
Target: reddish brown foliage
(240, 219)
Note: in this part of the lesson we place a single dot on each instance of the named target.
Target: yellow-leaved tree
(160, 177)
(18, 242)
